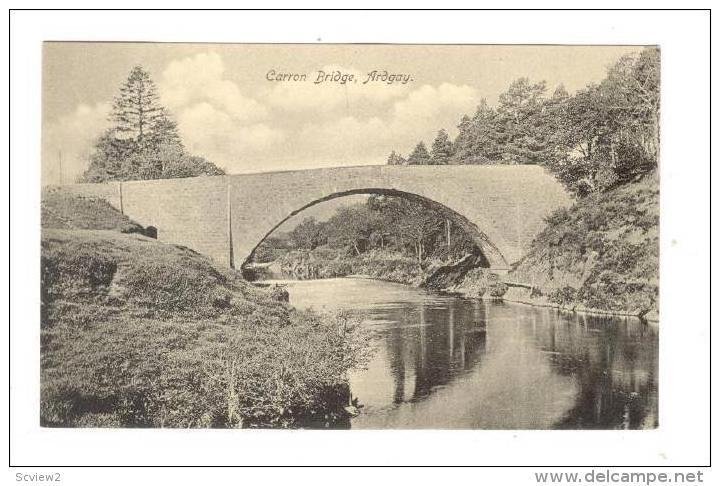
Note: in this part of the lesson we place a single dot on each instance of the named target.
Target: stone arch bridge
(225, 217)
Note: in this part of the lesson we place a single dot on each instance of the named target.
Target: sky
(232, 110)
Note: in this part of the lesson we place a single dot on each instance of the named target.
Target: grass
(137, 333)
(65, 211)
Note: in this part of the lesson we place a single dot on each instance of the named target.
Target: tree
(441, 149)
(309, 234)
(418, 224)
(518, 122)
(138, 115)
(410, 222)
(189, 166)
(396, 159)
(604, 135)
(143, 142)
(419, 155)
(608, 134)
(477, 141)
(350, 226)
(106, 162)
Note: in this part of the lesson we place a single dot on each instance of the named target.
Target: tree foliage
(603, 135)
(389, 223)
(308, 234)
(419, 155)
(396, 159)
(442, 149)
(143, 141)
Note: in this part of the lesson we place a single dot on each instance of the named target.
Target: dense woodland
(143, 141)
(600, 137)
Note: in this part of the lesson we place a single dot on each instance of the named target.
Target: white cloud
(200, 79)
(71, 138)
(291, 125)
(439, 106)
(215, 119)
(214, 134)
(416, 117)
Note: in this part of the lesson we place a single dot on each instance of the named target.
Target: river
(444, 361)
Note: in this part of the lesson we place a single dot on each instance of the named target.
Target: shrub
(498, 289)
(621, 227)
(563, 296)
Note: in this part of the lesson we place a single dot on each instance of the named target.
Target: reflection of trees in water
(437, 343)
(614, 363)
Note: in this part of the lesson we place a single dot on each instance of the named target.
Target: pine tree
(477, 142)
(396, 159)
(419, 155)
(518, 121)
(442, 149)
(143, 141)
(137, 114)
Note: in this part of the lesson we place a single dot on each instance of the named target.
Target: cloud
(71, 138)
(289, 125)
(215, 119)
(200, 79)
(439, 106)
(418, 116)
(216, 135)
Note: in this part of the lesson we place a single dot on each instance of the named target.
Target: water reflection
(448, 362)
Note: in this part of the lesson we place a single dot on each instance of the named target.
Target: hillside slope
(600, 254)
(139, 333)
(65, 211)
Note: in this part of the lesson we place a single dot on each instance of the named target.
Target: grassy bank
(600, 254)
(144, 334)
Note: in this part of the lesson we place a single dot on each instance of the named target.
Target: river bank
(138, 333)
(518, 296)
(435, 274)
(599, 256)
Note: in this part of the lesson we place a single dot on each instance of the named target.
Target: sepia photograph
(350, 236)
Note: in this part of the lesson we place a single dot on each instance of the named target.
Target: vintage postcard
(350, 236)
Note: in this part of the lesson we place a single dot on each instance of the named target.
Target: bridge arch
(489, 250)
(225, 217)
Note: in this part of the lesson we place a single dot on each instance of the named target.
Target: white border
(682, 438)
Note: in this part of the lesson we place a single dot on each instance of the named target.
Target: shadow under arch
(488, 249)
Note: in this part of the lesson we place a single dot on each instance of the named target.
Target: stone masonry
(226, 217)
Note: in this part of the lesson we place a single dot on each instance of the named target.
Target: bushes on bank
(601, 253)
(497, 290)
(563, 296)
(153, 373)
